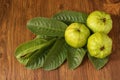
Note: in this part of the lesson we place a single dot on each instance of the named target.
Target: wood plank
(14, 15)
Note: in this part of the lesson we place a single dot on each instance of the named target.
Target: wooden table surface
(14, 15)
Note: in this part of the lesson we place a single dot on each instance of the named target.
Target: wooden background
(14, 15)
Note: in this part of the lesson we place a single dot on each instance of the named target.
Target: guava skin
(76, 35)
(99, 21)
(99, 45)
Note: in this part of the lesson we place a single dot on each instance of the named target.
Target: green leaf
(75, 57)
(56, 55)
(44, 37)
(26, 50)
(37, 59)
(98, 63)
(69, 17)
(45, 26)
(23, 60)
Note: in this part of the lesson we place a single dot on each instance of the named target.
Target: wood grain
(14, 15)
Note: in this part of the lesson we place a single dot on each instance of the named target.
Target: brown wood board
(14, 15)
